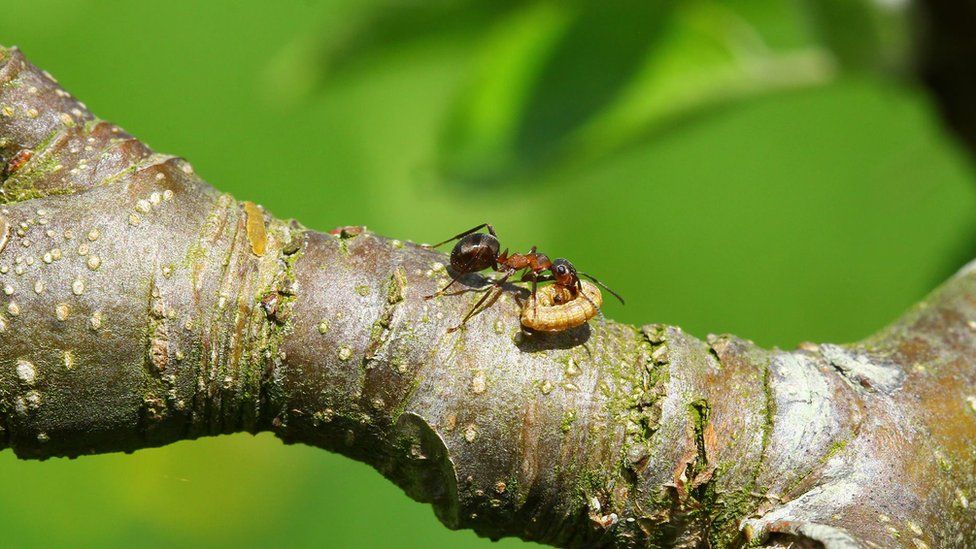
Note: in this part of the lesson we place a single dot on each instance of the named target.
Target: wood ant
(477, 251)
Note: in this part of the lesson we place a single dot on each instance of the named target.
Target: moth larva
(553, 310)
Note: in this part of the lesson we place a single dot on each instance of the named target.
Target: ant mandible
(477, 251)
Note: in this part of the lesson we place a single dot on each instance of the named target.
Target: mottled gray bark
(140, 306)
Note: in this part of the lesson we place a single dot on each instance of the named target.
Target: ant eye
(561, 269)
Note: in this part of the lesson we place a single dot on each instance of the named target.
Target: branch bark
(141, 306)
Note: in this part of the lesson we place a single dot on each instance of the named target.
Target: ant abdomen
(474, 252)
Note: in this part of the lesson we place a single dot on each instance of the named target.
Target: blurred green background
(759, 167)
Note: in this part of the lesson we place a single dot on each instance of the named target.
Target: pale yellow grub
(550, 316)
(256, 233)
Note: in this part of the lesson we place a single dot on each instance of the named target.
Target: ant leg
(467, 290)
(535, 300)
(536, 279)
(441, 291)
(489, 283)
(491, 231)
(579, 291)
(475, 310)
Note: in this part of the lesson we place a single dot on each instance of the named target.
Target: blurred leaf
(479, 133)
(592, 63)
(576, 80)
(862, 34)
(780, 25)
(392, 23)
(375, 28)
(847, 28)
(576, 86)
(546, 73)
(712, 59)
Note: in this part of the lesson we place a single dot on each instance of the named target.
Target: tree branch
(141, 306)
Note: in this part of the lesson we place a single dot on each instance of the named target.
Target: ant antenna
(491, 231)
(604, 286)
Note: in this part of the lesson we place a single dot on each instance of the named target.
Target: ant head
(564, 273)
